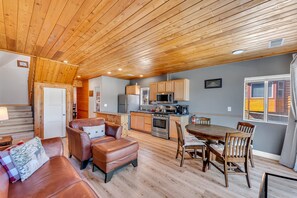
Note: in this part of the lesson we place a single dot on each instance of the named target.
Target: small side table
(5, 142)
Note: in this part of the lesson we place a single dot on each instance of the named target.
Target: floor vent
(276, 43)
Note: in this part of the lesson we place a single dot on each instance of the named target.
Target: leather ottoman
(109, 156)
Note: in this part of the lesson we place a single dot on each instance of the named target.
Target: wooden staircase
(20, 124)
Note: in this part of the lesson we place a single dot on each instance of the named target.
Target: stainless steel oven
(160, 125)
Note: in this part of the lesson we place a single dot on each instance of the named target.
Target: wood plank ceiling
(146, 37)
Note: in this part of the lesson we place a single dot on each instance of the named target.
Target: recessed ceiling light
(65, 61)
(236, 52)
(141, 76)
(78, 76)
(108, 72)
(120, 69)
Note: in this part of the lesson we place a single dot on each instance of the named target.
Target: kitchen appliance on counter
(160, 125)
(182, 109)
(165, 98)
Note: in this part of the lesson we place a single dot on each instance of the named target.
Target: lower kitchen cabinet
(141, 121)
(183, 120)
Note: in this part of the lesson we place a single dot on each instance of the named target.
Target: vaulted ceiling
(146, 37)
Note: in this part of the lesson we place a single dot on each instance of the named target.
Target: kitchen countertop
(150, 112)
(111, 113)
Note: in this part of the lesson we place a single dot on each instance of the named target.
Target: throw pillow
(29, 157)
(95, 131)
(8, 165)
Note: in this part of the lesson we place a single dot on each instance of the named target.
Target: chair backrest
(237, 146)
(203, 121)
(246, 127)
(180, 133)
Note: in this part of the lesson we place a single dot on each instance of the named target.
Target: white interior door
(54, 112)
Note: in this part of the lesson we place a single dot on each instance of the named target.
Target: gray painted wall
(110, 88)
(268, 137)
(145, 82)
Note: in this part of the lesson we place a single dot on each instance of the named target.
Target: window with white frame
(267, 99)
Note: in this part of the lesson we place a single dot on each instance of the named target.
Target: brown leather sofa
(79, 143)
(56, 178)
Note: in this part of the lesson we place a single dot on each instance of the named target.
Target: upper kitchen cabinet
(165, 86)
(181, 89)
(153, 91)
(133, 90)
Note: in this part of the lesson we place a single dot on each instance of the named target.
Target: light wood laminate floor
(158, 175)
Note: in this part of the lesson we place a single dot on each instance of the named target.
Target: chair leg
(183, 157)
(246, 167)
(195, 153)
(226, 174)
(135, 162)
(206, 162)
(177, 151)
(203, 153)
(252, 158)
(84, 164)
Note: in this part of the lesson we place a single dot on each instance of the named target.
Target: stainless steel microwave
(165, 98)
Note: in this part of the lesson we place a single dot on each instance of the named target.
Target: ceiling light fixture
(120, 69)
(236, 52)
(108, 72)
(78, 76)
(141, 76)
(65, 61)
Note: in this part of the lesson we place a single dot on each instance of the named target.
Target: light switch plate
(229, 109)
(105, 105)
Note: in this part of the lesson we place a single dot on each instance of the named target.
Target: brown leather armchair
(79, 143)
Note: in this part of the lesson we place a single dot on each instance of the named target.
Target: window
(258, 90)
(267, 99)
(144, 96)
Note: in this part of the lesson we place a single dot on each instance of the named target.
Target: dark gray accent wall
(214, 102)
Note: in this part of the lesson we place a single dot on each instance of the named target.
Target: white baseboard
(266, 155)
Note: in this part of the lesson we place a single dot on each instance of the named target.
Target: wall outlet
(105, 105)
(229, 109)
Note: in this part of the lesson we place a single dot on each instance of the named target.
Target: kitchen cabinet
(181, 89)
(132, 90)
(153, 91)
(141, 121)
(116, 118)
(183, 120)
(165, 86)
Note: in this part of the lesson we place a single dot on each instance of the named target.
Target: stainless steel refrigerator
(128, 103)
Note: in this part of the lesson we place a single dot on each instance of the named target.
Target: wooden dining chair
(235, 150)
(203, 121)
(187, 144)
(248, 128)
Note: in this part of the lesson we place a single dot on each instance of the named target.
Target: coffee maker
(182, 109)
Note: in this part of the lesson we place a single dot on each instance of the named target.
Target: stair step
(16, 121)
(19, 108)
(7, 130)
(27, 114)
(24, 136)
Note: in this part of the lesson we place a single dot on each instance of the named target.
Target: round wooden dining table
(209, 132)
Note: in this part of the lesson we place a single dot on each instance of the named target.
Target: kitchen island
(116, 118)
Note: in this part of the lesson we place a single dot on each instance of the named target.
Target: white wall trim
(266, 155)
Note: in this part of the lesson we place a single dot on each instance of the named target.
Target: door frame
(39, 105)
